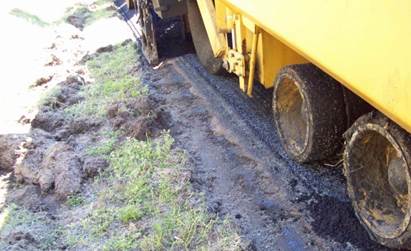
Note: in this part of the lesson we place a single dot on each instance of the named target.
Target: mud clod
(68, 96)
(144, 105)
(76, 127)
(51, 166)
(145, 126)
(21, 241)
(27, 197)
(61, 167)
(48, 120)
(108, 48)
(28, 164)
(53, 61)
(117, 110)
(42, 81)
(92, 166)
(79, 126)
(8, 147)
(75, 81)
(141, 128)
(76, 21)
(138, 118)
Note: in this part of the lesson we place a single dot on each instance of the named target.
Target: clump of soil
(51, 115)
(139, 118)
(45, 158)
(54, 157)
(48, 120)
(50, 165)
(8, 147)
(61, 169)
(93, 166)
(31, 198)
(31, 155)
(42, 81)
(75, 21)
(22, 240)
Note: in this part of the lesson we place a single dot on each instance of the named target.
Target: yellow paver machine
(340, 72)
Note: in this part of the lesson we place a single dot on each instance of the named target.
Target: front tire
(200, 40)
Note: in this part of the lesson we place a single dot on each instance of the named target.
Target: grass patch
(114, 82)
(129, 213)
(33, 19)
(147, 203)
(144, 199)
(106, 146)
(74, 200)
(88, 14)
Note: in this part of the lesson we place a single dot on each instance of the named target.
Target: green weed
(104, 148)
(122, 242)
(33, 19)
(100, 220)
(74, 200)
(89, 14)
(129, 213)
(148, 186)
(114, 82)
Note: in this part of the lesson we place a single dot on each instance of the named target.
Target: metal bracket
(236, 63)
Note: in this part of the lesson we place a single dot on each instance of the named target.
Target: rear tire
(200, 40)
(309, 113)
(377, 162)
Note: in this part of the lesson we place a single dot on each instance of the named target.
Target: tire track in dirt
(221, 170)
(242, 170)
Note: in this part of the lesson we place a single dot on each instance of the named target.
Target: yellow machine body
(365, 45)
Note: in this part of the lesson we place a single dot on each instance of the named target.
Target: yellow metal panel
(365, 44)
(275, 56)
(217, 39)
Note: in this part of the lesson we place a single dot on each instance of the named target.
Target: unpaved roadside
(97, 168)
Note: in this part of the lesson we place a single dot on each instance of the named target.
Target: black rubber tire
(377, 162)
(200, 40)
(130, 4)
(309, 113)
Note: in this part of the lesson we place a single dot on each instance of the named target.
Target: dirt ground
(234, 159)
